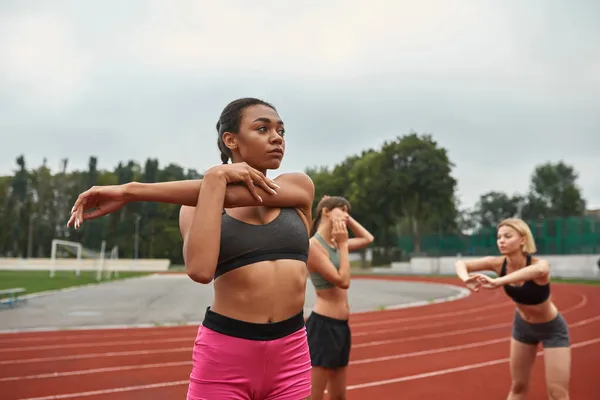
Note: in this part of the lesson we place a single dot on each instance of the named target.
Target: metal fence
(560, 236)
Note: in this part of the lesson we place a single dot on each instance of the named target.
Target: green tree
(554, 192)
(493, 207)
(19, 207)
(419, 187)
(371, 203)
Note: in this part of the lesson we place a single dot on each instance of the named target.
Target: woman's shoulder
(301, 179)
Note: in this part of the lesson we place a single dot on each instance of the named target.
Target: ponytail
(315, 224)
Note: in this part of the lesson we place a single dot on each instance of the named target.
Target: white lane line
(111, 391)
(453, 370)
(96, 344)
(95, 355)
(351, 387)
(354, 362)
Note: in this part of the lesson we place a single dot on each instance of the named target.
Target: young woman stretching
(329, 267)
(526, 279)
(250, 235)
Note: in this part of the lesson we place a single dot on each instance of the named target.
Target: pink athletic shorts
(261, 362)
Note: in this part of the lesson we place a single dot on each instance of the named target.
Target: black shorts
(329, 341)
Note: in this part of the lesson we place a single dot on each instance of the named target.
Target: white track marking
(494, 306)
(579, 305)
(415, 327)
(459, 347)
(167, 333)
(584, 322)
(157, 331)
(582, 303)
(96, 344)
(111, 391)
(429, 352)
(430, 336)
(354, 362)
(351, 387)
(182, 363)
(456, 369)
(96, 371)
(46, 329)
(60, 338)
(95, 355)
(462, 293)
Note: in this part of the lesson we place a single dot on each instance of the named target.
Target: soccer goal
(65, 249)
(78, 256)
(114, 255)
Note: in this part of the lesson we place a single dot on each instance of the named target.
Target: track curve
(451, 350)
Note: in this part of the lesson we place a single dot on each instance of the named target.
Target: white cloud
(43, 66)
(487, 79)
(328, 39)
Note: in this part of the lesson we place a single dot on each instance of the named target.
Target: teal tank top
(317, 279)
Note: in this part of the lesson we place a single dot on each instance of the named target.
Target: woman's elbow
(343, 282)
(200, 278)
(344, 285)
(198, 273)
(544, 269)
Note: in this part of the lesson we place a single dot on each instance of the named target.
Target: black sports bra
(241, 243)
(530, 293)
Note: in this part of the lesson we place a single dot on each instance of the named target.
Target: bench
(11, 296)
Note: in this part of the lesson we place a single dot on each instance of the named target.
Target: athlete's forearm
(203, 238)
(534, 271)
(461, 270)
(184, 193)
(344, 270)
(358, 230)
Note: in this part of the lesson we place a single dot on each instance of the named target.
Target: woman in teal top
(327, 326)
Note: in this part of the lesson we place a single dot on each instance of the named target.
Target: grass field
(39, 281)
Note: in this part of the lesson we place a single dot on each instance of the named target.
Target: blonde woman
(526, 280)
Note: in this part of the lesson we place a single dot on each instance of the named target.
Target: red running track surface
(453, 350)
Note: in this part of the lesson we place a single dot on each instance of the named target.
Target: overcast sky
(503, 85)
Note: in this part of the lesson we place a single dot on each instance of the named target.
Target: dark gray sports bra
(241, 243)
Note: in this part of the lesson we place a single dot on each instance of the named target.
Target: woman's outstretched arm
(287, 190)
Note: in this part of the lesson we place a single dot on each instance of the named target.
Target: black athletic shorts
(329, 341)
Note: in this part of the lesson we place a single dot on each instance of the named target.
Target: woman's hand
(339, 231)
(472, 283)
(101, 200)
(243, 173)
(483, 281)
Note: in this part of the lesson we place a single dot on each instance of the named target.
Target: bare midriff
(332, 303)
(264, 292)
(539, 313)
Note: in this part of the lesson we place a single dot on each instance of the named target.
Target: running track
(453, 350)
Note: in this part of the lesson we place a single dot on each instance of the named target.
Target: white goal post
(114, 255)
(67, 245)
(86, 259)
